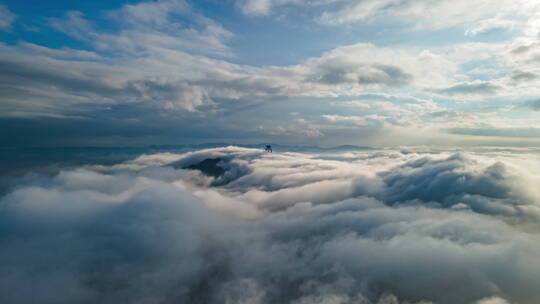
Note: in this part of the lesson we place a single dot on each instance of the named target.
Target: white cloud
(266, 7)
(149, 27)
(256, 7)
(432, 15)
(175, 79)
(323, 227)
(365, 64)
(6, 18)
(52, 82)
(490, 24)
(493, 300)
(169, 58)
(474, 88)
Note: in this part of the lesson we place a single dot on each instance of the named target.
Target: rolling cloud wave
(380, 227)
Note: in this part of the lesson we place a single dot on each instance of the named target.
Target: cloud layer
(147, 71)
(322, 227)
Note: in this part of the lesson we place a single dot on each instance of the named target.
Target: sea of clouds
(364, 226)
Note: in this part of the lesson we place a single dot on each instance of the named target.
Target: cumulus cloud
(374, 227)
(165, 66)
(186, 67)
(368, 65)
(165, 63)
(521, 76)
(166, 37)
(44, 81)
(475, 88)
(375, 74)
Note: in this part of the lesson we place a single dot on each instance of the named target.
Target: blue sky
(321, 72)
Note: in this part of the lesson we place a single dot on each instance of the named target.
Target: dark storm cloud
(346, 227)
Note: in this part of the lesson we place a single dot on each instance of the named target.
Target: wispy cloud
(6, 18)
